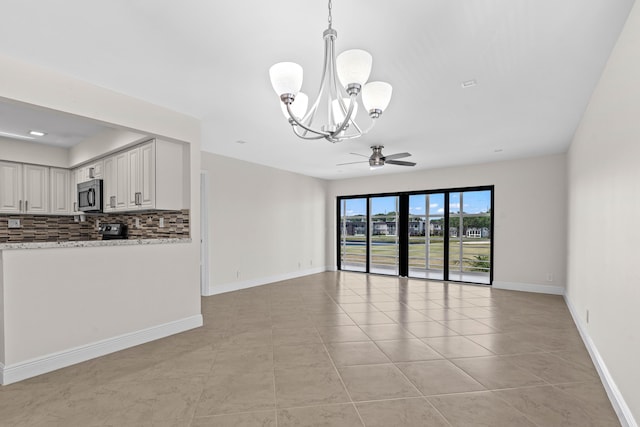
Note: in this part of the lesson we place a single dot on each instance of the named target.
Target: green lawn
(475, 252)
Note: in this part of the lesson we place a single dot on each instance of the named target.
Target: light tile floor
(338, 349)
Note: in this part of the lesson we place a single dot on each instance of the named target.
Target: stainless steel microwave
(90, 196)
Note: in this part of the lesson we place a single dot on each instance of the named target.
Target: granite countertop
(91, 243)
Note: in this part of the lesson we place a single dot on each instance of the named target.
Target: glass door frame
(403, 227)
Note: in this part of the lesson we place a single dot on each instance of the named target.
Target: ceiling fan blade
(351, 163)
(358, 154)
(397, 156)
(399, 163)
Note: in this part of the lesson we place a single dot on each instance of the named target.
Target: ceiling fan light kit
(352, 69)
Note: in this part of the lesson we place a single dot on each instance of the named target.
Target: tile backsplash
(59, 228)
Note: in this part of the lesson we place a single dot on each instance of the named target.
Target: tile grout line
(324, 345)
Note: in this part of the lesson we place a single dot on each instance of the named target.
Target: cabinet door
(36, 189)
(109, 184)
(96, 170)
(146, 176)
(60, 194)
(134, 178)
(121, 180)
(10, 187)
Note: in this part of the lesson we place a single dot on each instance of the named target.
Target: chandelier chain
(330, 18)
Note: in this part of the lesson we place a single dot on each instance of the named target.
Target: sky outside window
(474, 202)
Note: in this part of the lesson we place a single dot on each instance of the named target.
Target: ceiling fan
(377, 160)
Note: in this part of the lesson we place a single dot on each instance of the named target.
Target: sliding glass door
(426, 238)
(353, 234)
(383, 235)
(470, 236)
(440, 235)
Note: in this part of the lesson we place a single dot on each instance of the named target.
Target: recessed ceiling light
(241, 142)
(469, 83)
(36, 133)
(15, 135)
(498, 150)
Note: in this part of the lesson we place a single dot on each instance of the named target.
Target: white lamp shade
(354, 66)
(298, 106)
(338, 114)
(286, 77)
(376, 95)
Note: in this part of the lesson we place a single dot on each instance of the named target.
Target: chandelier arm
(303, 135)
(328, 37)
(358, 131)
(357, 128)
(302, 125)
(373, 123)
(347, 118)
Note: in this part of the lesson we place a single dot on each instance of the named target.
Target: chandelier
(351, 69)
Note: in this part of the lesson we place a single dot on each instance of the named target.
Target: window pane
(353, 234)
(426, 249)
(384, 235)
(470, 236)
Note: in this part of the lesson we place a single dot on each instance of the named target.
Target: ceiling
(536, 63)
(61, 129)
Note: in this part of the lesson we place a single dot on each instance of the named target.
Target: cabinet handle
(112, 201)
(20, 207)
(26, 205)
(92, 173)
(75, 206)
(138, 199)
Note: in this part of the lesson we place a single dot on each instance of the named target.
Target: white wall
(145, 300)
(604, 208)
(530, 215)
(264, 224)
(107, 142)
(70, 307)
(30, 152)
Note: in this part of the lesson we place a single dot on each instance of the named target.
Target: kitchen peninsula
(67, 295)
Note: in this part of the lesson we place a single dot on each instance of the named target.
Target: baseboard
(236, 286)
(617, 400)
(529, 287)
(51, 362)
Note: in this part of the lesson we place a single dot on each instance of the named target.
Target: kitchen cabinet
(60, 191)
(35, 187)
(24, 189)
(148, 176)
(141, 194)
(10, 187)
(94, 170)
(115, 182)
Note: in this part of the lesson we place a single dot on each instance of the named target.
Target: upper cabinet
(148, 176)
(24, 188)
(61, 191)
(116, 182)
(142, 173)
(151, 176)
(36, 189)
(10, 187)
(94, 170)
